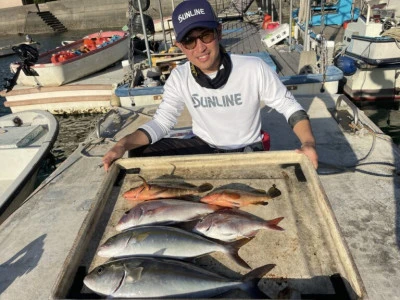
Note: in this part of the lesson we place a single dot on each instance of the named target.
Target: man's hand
(112, 155)
(129, 142)
(309, 150)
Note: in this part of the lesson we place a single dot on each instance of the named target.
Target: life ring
(145, 4)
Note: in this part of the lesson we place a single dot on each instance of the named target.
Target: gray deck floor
(243, 36)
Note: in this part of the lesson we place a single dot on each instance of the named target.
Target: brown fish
(153, 191)
(238, 198)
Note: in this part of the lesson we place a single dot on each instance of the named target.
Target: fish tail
(234, 251)
(252, 278)
(205, 187)
(273, 224)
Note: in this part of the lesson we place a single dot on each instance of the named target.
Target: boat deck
(285, 58)
(233, 31)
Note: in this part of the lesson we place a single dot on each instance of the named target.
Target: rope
(336, 169)
(394, 33)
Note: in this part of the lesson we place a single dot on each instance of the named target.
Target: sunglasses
(190, 42)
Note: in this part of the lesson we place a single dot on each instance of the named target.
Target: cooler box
(274, 36)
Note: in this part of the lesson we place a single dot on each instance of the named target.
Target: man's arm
(129, 142)
(303, 131)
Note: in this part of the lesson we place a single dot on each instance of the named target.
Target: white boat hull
(56, 74)
(374, 51)
(22, 148)
(373, 84)
(375, 54)
(66, 99)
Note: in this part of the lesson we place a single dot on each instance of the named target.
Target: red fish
(153, 191)
(232, 224)
(238, 198)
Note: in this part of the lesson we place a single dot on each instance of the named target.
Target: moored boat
(66, 99)
(370, 56)
(75, 60)
(25, 140)
(8, 49)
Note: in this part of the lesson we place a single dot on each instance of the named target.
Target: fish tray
(311, 256)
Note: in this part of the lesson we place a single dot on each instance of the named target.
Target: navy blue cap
(192, 14)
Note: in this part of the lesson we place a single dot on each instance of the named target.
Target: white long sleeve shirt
(227, 117)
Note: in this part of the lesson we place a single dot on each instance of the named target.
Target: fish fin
(205, 187)
(160, 252)
(234, 251)
(145, 184)
(259, 272)
(273, 224)
(252, 278)
(132, 274)
(143, 236)
(274, 191)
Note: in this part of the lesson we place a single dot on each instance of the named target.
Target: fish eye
(126, 212)
(100, 270)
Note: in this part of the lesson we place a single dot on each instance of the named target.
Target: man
(222, 93)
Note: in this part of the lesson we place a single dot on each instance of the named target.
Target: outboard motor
(28, 56)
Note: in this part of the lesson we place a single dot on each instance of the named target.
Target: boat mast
(306, 36)
(162, 25)
(290, 24)
(145, 34)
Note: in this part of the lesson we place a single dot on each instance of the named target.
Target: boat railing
(117, 118)
(351, 105)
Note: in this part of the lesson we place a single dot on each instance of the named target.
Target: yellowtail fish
(233, 224)
(153, 191)
(238, 198)
(165, 241)
(152, 277)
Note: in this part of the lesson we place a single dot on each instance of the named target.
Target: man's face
(201, 46)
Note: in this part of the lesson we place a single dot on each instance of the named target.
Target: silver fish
(165, 211)
(150, 277)
(165, 241)
(232, 224)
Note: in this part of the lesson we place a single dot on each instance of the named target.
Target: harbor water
(74, 129)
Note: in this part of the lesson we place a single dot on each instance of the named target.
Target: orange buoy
(267, 19)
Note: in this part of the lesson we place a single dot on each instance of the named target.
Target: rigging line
(353, 168)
